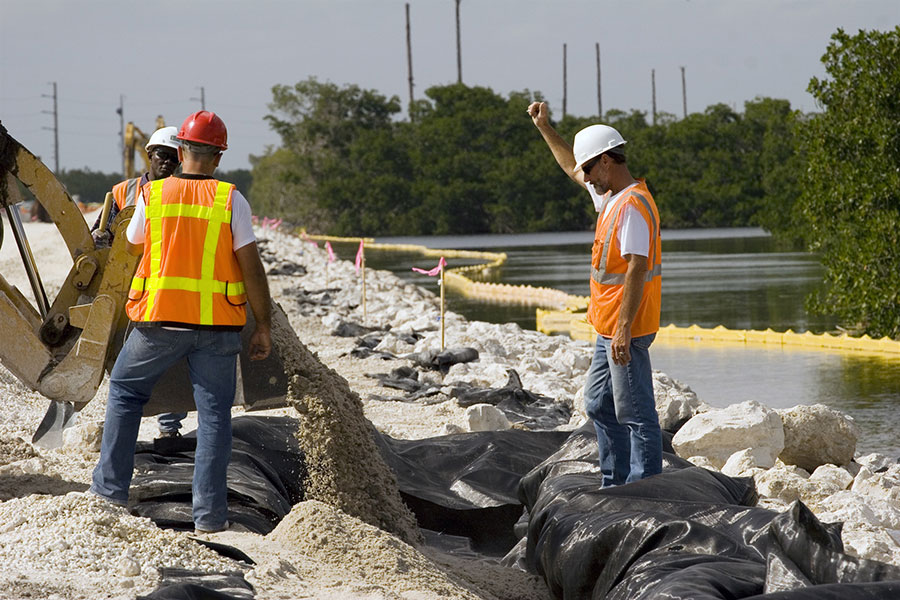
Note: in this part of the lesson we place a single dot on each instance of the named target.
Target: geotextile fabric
(685, 534)
(265, 476)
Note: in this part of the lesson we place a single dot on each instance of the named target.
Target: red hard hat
(204, 127)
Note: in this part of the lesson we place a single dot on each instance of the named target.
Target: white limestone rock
(451, 428)
(883, 486)
(871, 543)
(394, 345)
(702, 461)
(480, 374)
(486, 417)
(832, 476)
(816, 435)
(743, 461)
(851, 507)
(782, 484)
(718, 434)
(675, 401)
(875, 462)
(83, 438)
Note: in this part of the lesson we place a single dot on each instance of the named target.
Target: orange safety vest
(126, 192)
(188, 272)
(608, 268)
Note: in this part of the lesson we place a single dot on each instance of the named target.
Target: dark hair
(617, 154)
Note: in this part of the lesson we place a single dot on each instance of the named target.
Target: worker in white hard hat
(162, 148)
(625, 298)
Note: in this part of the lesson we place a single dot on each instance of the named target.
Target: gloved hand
(102, 239)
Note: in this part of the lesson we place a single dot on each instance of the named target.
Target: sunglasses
(587, 167)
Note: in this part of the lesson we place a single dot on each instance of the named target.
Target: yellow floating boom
(563, 315)
(575, 325)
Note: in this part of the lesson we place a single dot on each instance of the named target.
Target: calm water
(739, 278)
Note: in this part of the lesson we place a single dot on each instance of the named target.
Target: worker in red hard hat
(199, 268)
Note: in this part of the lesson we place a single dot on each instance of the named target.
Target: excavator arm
(59, 349)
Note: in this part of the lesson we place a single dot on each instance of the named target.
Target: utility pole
(121, 112)
(409, 62)
(202, 98)
(564, 82)
(55, 127)
(458, 48)
(683, 93)
(599, 89)
(653, 86)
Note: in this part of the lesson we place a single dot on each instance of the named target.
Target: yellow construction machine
(63, 348)
(134, 141)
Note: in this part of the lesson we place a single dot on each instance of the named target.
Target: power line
(55, 127)
(599, 89)
(565, 83)
(409, 61)
(458, 47)
(202, 98)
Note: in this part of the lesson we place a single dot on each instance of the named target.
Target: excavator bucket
(261, 383)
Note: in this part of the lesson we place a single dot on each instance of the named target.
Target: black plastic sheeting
(687, 533)
(181, 584)
(466, 484)
(264, 475)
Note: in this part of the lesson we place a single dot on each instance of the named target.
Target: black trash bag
(687, 533)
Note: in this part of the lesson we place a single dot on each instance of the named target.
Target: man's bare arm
(260, 301)
(561, 149)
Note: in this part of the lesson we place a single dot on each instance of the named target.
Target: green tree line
(468, 160)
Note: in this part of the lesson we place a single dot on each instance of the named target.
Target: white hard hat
(164, 136)
(593, 141)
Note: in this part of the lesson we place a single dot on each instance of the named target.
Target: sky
(161, 56)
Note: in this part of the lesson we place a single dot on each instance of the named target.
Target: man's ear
(218, 158)
(180, 155)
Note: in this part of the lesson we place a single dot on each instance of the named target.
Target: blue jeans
(170, 421)
(145, 357)
(619, 399)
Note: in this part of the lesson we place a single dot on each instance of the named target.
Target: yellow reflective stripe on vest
(192, 211)
(151, 215)
(215, 217)
(189, 284)
(604, 278)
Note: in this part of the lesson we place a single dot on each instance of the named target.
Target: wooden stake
(442, 308)
(363, 265)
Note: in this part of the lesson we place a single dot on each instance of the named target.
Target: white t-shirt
(241, 222)
(634, 233)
